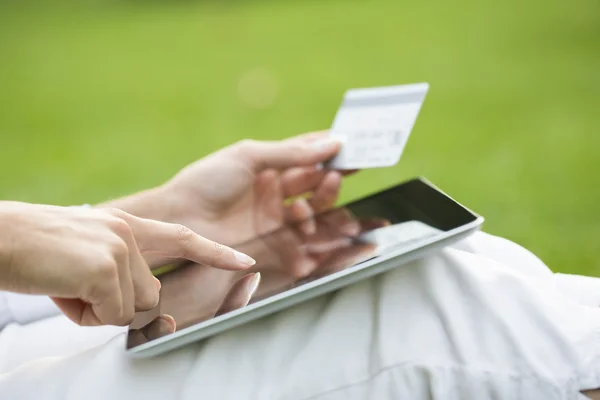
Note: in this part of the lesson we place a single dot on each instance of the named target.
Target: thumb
(177, 241)
(288, 153)
(240, 293)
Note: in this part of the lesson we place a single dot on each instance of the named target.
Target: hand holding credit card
(374, 125)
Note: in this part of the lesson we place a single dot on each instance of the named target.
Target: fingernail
(253, 285)
(351, 229)
(158, 284)
(243, 258)
(325, 143)
(169, 320)
(309, 227)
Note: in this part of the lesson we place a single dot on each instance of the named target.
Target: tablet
(302, 261)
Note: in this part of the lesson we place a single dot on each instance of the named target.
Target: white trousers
(484, 319)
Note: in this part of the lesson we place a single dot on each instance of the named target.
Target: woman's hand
(94, 262)
(243, 188)
(246, 189)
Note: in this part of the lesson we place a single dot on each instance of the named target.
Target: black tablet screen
(300, 253)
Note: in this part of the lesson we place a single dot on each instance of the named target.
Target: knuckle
(115, 212)
(119, 226)
(106, 267)
(247, 151)
(126, 317)
(95, 292)
(104, 276)
(118, 247)
(218, 251)
(184, 235)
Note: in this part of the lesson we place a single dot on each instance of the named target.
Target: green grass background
(100, 98)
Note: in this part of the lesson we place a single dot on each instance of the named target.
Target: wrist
(155, 203)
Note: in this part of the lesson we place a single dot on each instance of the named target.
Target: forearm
(8, 221)
(5, 257)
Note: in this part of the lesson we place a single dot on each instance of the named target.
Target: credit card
(374, 125)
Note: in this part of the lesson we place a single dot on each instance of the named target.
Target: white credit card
(374, 124)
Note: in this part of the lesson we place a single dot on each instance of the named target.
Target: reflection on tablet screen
(290, 257)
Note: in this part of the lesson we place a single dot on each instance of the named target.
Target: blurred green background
(104, 98)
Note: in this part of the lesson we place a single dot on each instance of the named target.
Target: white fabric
(582, 289)
(23, 309)
(484, 320)
(6, 316)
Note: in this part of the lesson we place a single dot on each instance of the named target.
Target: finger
(327, 246)
(335, 230)
(126, 286)
(240, 293)
(103, 306)
(345, 258)
(145, 286)
(287, 245)
(121, 250)
(161, 326)
(178, 241)
(286, 153)
(338, 222)
(77, 311)
(349, 172)
(370, 224)
(109, 306)
(301, 180)
(327, 193)
(267, 186)
(301, 212)
(111, 299)
(320, 135)
(313, 136)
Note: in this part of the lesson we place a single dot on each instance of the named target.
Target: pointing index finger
(177, 241)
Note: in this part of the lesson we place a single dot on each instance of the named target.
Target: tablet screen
(296, 254)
